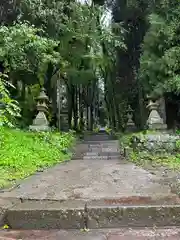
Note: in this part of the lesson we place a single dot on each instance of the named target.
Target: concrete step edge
(45, 215)
(102, 154)
(101, 157)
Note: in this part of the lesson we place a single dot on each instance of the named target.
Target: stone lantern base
(157, 126)
(39, 128)
(130, 127)
(40, 123)
(155, 122)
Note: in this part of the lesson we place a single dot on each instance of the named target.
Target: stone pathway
(100, 190)
(90, 180)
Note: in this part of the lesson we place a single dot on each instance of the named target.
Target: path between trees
(98, 189)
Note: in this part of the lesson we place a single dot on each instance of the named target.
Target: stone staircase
(95, 137)
(100, 146)
(96, 190)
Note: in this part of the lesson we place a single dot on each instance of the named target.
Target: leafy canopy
(22, 50)
(160, 61)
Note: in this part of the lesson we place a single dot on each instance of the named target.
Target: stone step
(102, 154)
(101, 143)
(93, 148)
(169, 233)
(101, 157)
(98, 138)
(109, 144)
(91, 154)
(56, 215)
(45, 215)
(103, 149)
(133, 216)
(99, 151)
(102, 134)
(97, 157)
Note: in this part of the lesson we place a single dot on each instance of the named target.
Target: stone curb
(100, 234)
(81, 214)
(6, 204)
(133, 216)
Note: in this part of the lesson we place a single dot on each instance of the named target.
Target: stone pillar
(64, 109)
(58, 104)
(78, 110)
(41, 123)
(155, 122)
(89, 118)
(62, 105)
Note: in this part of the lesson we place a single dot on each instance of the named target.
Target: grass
(22, 153)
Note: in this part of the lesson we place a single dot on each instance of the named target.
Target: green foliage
(160, 61)
(96, 129)
(23, 50)
(79, 30)
(178, 145)
(28, 105)
(9, 108)
(25, 55)
(108, 130)
(53, 40)
(125, 138)
(23, 153)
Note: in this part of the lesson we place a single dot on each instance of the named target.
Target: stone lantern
(155, 122)
(41, 123)
(130, 123)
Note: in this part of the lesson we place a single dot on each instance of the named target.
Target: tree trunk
(70, 104)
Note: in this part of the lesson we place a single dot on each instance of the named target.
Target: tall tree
(70, 36)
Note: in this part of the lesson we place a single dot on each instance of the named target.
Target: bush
(9, 108)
